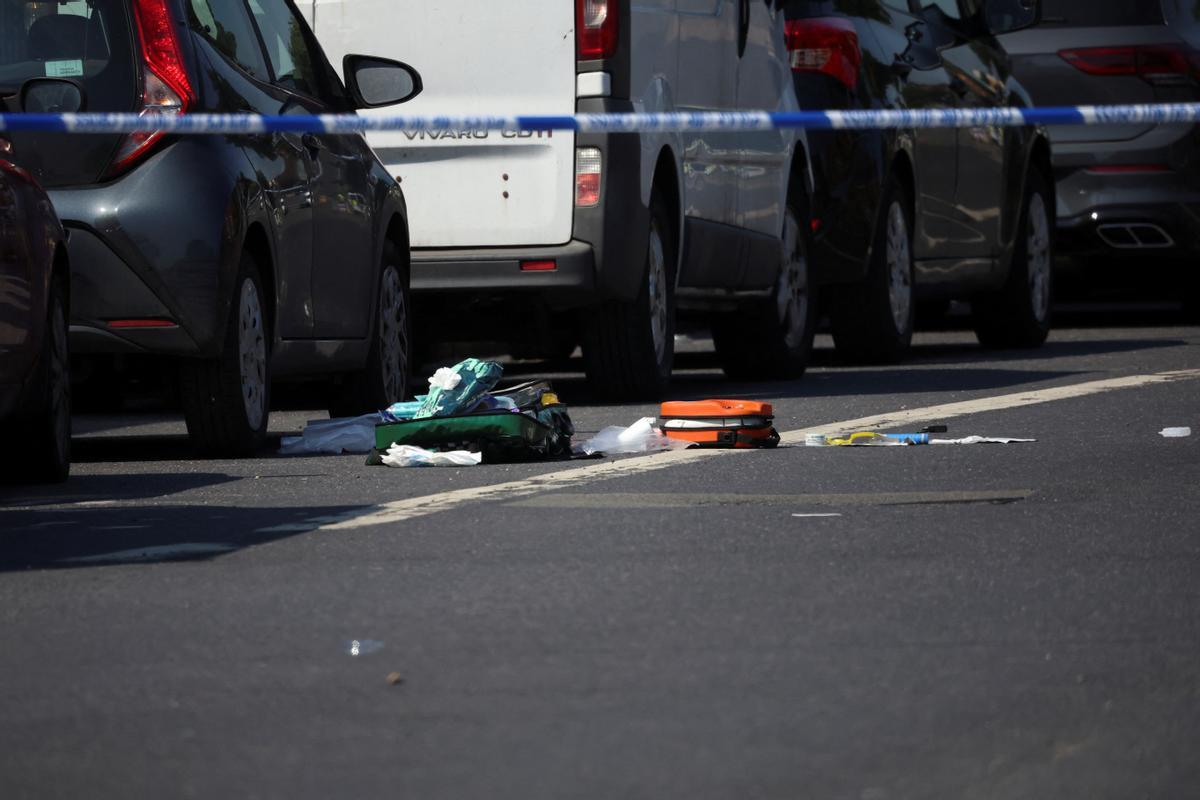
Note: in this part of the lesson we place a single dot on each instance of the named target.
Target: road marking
(412, 508)
(644, 500)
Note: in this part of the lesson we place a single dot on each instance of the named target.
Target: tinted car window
(287, 47)
(84, 40)
(1101, 13)
(87, 41)
(226, 24)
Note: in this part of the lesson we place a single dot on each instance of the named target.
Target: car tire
(384, 378)
(629, 347)
(227, 400)
(872, 319)
(38, 439)
(1018, 315)
(773, 340)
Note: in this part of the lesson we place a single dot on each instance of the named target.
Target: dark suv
(246, 257)
(1127, 193)
(927, 214)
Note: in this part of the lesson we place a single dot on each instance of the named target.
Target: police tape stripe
(674, 122)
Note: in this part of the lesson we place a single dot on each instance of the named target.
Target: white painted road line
(415, 507)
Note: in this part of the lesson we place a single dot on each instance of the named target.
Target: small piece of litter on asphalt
(981, 440)
(395, 679)
(363, 647)
(407, 455)
(1175, 433)
(805, 516)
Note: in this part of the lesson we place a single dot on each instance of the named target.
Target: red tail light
(166, 88)
(826, 45)
(1161, 65)
(596, 28)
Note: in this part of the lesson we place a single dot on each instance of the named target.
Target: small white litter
(1175, 433)
(405, 455)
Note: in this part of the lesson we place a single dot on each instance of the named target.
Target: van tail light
(825, 45)
(596, 28)
(1160, 65)
(166, 88)
(588, 175)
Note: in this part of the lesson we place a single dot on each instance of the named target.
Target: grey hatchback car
(1132, 191)
(237, 258)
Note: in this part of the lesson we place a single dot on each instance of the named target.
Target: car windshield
(82, 40)
(1101, 13)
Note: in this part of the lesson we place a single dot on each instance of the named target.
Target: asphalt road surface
(990, 621)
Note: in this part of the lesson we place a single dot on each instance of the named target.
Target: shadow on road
(63, 538)
(105, 488)
(149, 447)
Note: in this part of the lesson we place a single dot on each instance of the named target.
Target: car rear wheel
(226, 400)
(873, 319)
(630, 346)
(1018, 315)
(773, 341)
(384, 379)
(38, 438)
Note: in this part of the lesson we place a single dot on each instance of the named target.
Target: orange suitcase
(742, 424)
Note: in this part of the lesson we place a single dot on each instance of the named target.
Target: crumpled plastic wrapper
(405, 455)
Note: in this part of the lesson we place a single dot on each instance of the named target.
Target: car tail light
(588, 175)
(825, 45)
(1161, 65)
(539, 266)
(166, 88)
(1127, 169)
(141, 324)
(596, 28)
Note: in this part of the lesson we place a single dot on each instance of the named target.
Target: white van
(601, 239)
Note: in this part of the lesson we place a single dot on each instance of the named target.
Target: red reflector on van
(539, 266)
(825, 45)
(141, 323)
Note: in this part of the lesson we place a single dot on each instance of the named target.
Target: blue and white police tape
(607, 123)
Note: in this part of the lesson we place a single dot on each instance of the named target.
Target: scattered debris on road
(405, 455)
(1175, 433)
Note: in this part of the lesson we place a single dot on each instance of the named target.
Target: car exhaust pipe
(1135, 236)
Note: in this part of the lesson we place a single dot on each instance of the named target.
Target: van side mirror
(52, 96)
(375, 82)
(1009, 16)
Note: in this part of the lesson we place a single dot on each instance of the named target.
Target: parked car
(243, 258)
(1127, 192)
(35, 386)
(902, 216)
(551, 238)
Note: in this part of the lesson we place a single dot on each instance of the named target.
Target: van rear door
(472, 188)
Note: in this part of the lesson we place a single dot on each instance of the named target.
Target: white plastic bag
(405, 455)
(640, 437)
(343, 435)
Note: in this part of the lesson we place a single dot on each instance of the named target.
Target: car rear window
(87, 41)
(84, 40)
(1101, 13)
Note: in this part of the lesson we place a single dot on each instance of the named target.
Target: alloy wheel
(252, 355)
(791, 295)
(1037, 249)
(899, 265)
(393, 334)
(658, 292)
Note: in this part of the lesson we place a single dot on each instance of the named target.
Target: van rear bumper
(497, 270)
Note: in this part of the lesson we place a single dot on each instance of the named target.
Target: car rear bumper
(1134, 198)
(498, 271)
